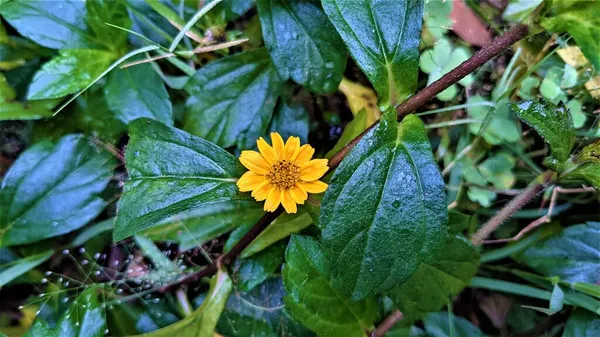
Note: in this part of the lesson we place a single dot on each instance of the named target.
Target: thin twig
(537, 186)
(387, 323)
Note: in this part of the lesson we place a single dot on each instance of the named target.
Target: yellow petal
(278, 145)
(304, 154)
(261, 191)
(273, 200)
(254, 162)
(298, 194)
(313, 170)
(266, 150)
(249, 181)
(314, 186)
(287, 202)
(292, 146)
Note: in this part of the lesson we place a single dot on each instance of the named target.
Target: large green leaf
(573, 255)
(383, 38)
(69, 72)
(195, 173)
(259, 312)
(53, 189)
(12, 270)
(136, 92)
(553, 123)
(581, 20)
(385, 210)
(202, 322)
(434, 284)
(302, 43)
(312, 300)
(582, 324)
(49, 25)
(85, 318)
(231, 100)
(192, 229)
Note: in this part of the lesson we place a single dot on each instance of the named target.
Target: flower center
(284, 174)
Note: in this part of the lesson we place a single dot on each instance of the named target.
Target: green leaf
(28, 110)
(85, 317)
(497, 169)
(589, 172)
(582, 324)
(291, 120)
(501, 128)
(580, 19)
(259, 312)
(137, 92)
(192, 229)
(573, 255)
(69, 72)
(440, 60)
(551, 88)
(312, 300)
(52, 26)
(437, 17)
(438, 324)
(158, 258)
(12, 270)
(231, 100)
(202, 322)
(279, 229)
(519, 10)
(434, 284)
(383, 38)
(384, 211)
(576, 110)
(195, 173)
(553, 123)
(126, 319)
(303, 43)
(101, 12)
(256, 269)
(53, 189)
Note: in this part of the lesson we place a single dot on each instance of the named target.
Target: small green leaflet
(303, 43)
(384, 211)
(589, 172)
(582, 324)
(69, 72)
(313, 301)
(573, 255)
(232, 100)
(53, 189)
(383, 38)
(195, 173)
(553, 123)
(136, 92)
(439, 324)
(434, 284)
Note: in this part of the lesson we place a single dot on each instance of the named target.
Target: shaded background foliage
(120, 137)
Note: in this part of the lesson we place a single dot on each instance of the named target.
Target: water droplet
(396, 203)
(329, 65)
(65, 251)
(81, 250)
(54, 224)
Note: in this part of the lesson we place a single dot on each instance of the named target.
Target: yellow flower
(282, 173)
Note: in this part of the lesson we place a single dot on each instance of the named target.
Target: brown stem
(228, 257)
(484, 54)
(387, 323)
(514, 205)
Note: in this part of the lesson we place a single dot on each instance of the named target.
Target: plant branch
(387, 323)
(484, 54)
(537, 186)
